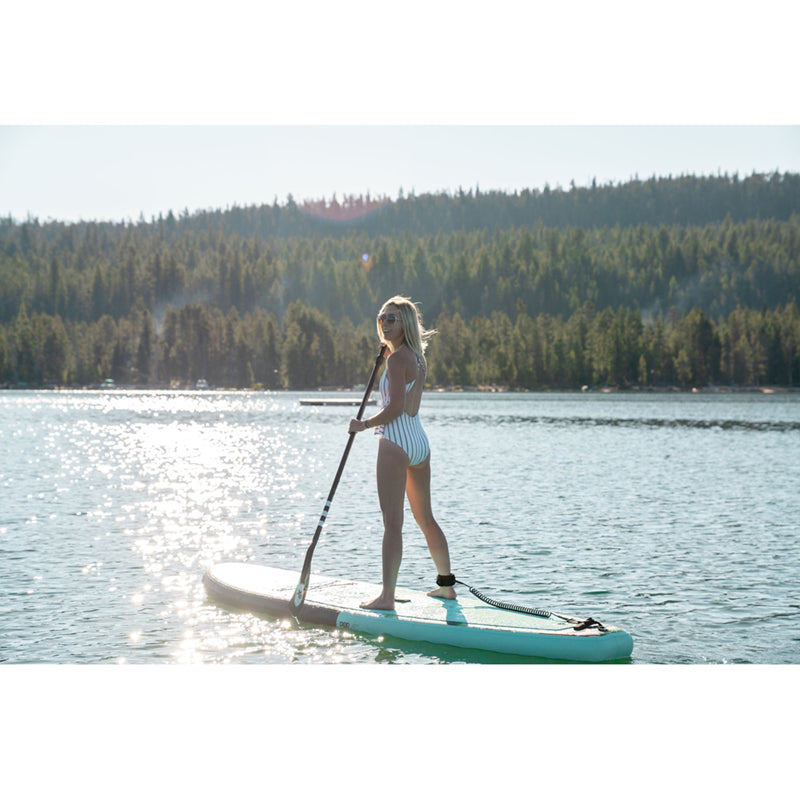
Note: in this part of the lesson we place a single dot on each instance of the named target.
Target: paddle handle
(302, 587)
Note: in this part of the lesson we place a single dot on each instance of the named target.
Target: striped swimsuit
(404, 431)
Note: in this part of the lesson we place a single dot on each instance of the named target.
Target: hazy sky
(120, 172)
(108, 114)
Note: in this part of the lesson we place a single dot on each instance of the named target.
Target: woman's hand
(357, 425)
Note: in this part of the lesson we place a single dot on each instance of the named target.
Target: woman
(404, 459)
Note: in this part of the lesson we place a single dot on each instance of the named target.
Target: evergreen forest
(667, 282)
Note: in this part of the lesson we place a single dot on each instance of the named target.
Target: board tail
(579, 624)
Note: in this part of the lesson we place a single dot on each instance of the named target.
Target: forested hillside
(683, 281)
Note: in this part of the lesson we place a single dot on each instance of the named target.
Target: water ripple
(633, 510)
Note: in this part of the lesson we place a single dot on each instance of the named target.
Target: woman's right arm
(395, 375)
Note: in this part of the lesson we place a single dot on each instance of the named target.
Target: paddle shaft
(302, 587)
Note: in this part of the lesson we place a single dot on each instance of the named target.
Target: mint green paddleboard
(467, 621)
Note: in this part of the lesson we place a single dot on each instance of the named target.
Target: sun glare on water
(202, 484)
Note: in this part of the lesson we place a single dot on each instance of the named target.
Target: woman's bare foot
(445, 592)
(380, 603)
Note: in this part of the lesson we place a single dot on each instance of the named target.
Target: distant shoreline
(434, 389)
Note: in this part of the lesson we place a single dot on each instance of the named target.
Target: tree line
(308, 349)
(686, 200)
(716, 267)
(557, 288)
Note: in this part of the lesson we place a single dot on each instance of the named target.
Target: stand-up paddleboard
(466, 621)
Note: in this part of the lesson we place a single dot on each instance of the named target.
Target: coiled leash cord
(578, 624)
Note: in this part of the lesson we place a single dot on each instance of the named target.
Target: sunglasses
(390, 318)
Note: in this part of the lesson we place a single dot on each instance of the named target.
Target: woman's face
(391, 325)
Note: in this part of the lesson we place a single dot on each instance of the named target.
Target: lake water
(673, 516)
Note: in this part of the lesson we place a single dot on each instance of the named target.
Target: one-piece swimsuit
(405, 431)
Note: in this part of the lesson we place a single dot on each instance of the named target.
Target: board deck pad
(466, 621)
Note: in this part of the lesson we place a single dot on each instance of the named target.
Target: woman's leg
(418, 488)
(391, 473)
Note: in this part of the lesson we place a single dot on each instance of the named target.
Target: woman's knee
(392, 517)
(427, 522)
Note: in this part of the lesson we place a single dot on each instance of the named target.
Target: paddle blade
(299, 596)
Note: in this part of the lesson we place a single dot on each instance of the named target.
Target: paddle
(302, 586)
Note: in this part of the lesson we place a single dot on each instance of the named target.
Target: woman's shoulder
(402, 355)
(404, 359)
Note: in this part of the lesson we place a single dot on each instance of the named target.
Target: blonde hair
(414, 333)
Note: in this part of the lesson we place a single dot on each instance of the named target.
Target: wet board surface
(466, 621)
